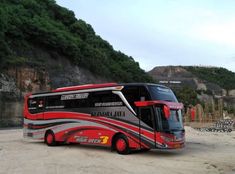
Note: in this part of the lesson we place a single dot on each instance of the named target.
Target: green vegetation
(230, 109)
(186, 95)
(220, 76)
(25, 24)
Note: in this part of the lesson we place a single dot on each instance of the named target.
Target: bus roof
(87, 86)
(95, 86)
(142, 84)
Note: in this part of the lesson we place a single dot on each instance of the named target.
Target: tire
(50, 138)
(122, 145)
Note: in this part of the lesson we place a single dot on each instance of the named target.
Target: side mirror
(166, 111)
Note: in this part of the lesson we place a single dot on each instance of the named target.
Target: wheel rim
(50, 138)
(121, 145)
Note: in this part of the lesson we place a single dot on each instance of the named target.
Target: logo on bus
(85, 139)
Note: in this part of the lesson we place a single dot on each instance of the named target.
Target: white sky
(164, 32)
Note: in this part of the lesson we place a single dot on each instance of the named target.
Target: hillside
(194, 84)
(221, 76)
(43, 46)
(29, 29)
(214, 78)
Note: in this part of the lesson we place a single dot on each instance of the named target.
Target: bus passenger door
(147, 126)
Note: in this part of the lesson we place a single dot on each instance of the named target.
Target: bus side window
(131, 93)
(135, 93)
(78, 103)
(32, 105)
(40, 104)
(144, 94)
(54, 102)
(36, 105)
(104, 97)
(110, 97)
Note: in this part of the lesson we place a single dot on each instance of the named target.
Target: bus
(124, 117)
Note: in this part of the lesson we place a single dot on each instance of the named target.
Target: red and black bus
(124, 117)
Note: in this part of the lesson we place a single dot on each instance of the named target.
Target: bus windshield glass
(162, 93)
(173, 123)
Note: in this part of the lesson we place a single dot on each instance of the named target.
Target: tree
(186, 95)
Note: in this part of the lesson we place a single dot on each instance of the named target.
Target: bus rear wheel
(121, 145)
(50, 138)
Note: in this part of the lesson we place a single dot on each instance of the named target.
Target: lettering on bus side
(108, 104)
(81, 139)
(108, 113)
(74, 96)
(85, 139)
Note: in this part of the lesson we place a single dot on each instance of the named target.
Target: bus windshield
(173, 123)
(162, 93)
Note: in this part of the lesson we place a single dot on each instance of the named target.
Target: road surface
(205, 152)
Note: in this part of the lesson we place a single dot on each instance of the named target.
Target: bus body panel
(81, 127)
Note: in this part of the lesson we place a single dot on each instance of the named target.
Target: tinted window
(36, 105)
(103, 99)
(135, 93)
(174, 122)
(32, 105)
(54, 102)
(79, 100)
(147, 116)
(162, 93)
(95, 99)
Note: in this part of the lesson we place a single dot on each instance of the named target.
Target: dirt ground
(205, 152)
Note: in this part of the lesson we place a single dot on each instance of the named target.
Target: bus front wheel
(121, 145)
(50, 138)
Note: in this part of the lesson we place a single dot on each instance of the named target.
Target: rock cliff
(207, 91)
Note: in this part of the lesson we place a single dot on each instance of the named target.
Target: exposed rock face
(29, 80)
(200, 85)
(10, 102)
(172, 74)
(231, 92)
(178, 76)
(8, 85)
(17, 81)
